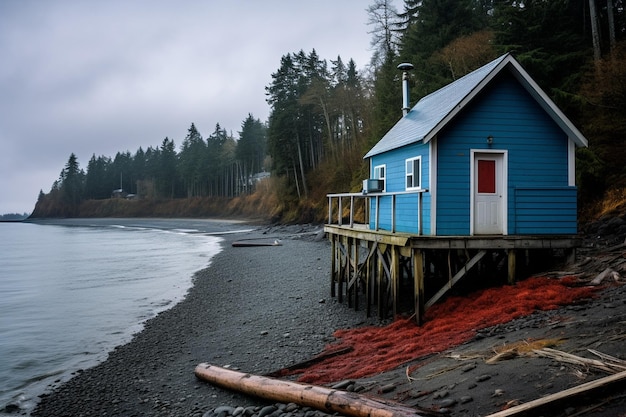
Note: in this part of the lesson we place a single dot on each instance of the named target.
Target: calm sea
(69, 295)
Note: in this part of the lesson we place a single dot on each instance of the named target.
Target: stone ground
(259, 309)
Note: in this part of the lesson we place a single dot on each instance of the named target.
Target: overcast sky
(98, 77)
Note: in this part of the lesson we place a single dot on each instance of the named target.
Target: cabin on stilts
(477, 180)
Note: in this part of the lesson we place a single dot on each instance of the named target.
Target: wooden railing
(352, 198)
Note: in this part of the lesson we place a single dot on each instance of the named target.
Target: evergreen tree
(192, 162)
(251, 147)
(71, 180)
(121, 172)
(548, 38)
(167, 173)
(431, 25)
(148, 187)
(138, 167)
(282, 130)
(97, 185)
(215, 161)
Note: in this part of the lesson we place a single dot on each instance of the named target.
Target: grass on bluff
(612, 204)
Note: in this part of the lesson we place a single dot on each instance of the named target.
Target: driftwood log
(255, 242)
(321, 398)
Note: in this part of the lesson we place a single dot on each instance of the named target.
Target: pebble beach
(258, 309)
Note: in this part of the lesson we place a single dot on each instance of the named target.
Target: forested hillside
(325, 113)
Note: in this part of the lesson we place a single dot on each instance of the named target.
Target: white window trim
(384, 177)
(406, 174)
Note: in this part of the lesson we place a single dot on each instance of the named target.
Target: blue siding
(545, 211)
(406, 206)
(537, 158)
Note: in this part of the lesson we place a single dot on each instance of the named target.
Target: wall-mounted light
(489, 140)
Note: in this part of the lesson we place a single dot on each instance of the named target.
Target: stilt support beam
(511, 274)
(418, 283)
(456, 278)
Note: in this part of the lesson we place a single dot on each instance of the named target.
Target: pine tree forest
(325, 112)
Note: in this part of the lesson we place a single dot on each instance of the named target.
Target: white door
(489, 193)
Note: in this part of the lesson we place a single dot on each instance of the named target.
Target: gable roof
(434, 111)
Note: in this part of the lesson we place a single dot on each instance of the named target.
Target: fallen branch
(562, 395)
(611, 366)
(324, 399)
(608, 272)
(312, 361)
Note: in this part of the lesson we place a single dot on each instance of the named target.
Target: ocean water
(69, 295)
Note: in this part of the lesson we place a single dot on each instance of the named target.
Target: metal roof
(435, 110)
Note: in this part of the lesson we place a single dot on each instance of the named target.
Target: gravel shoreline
(257, 309)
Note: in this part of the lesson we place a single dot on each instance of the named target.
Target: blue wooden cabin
(474, 176)
(490, 154)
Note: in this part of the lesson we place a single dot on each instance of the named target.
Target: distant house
(259, 176)
(489, 154)
(119, 193)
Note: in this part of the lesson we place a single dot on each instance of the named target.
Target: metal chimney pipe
(405, 67)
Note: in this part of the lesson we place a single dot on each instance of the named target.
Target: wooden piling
(381, 274)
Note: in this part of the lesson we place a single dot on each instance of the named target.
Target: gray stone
(468, 367)
(448, 402)
(387, 388)
(224, 409)
(440, 394)
(291, 407)
(267, 410)
(342, 384)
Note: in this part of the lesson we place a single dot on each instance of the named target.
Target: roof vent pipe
(405, 67)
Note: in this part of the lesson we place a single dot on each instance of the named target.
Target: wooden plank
(458, 242)
(382, 236)
(309, 362)
(380, 265)
(342, 268)
(418, 282)
(456, 278)
(333, 263)
(511, 266)
(495, 242)
(395, 278)
(325, 399)
(368, 278)
(357, 273)
(368, 264)
(562, 395)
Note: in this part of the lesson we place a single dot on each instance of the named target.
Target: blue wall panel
(545, 211)
(537, 157)
(406, 206)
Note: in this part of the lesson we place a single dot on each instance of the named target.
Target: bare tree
(383, 16)
(595, 31)
(609, 7)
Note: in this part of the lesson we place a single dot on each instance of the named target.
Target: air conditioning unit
(372, 185)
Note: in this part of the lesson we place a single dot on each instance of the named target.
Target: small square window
(413, 173)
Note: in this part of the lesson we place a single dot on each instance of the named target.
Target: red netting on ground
(451, 323)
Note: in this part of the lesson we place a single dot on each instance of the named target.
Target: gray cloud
(101, 77)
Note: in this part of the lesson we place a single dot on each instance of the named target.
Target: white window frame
(383, 177)
(417, 186)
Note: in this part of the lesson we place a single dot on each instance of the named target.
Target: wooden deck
(385, 266)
